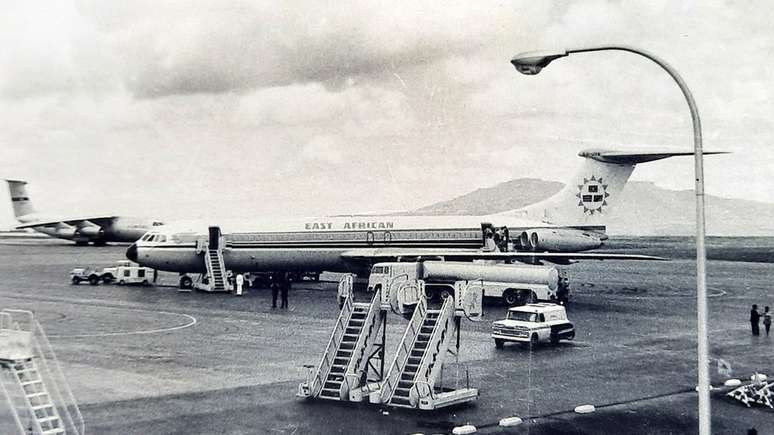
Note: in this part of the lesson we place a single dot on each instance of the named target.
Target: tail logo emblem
(592, 195)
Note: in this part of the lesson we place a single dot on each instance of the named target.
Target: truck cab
(532, 324)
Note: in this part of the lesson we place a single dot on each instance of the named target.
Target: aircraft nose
(131, 253)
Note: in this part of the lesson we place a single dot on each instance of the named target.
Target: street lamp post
(531, 63)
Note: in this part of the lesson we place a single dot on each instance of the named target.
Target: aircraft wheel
(186, 282)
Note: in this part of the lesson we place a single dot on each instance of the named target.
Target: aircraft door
(214, 237)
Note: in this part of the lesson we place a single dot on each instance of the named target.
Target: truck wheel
(93, 280)
(186, 282)
(75, 280)
(571, 335)
(121, 282)
(533, 341)
(510, 297)
(554, 338)
(107, 279)
(145, 283)
(498, 343)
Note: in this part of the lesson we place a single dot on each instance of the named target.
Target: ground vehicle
(533, 323)
(126, 272)
(84, 274)
(516, 284)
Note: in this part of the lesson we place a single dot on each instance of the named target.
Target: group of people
(280, 285)
(279, 282)
(755, 319)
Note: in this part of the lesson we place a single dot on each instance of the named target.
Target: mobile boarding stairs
(352, 366)
(216, 277)
(31, 380)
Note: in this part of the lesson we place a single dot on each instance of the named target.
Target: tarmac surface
(151, 360)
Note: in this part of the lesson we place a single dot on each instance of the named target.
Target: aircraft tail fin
(19, 198)
(586, 199)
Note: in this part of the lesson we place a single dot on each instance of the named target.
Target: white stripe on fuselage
(317, 243)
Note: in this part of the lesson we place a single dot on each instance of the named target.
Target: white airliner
(98, 229)
(555, 230)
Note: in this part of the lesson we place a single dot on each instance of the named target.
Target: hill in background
(644, 210)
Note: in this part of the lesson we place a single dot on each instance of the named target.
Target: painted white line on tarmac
(192, 321)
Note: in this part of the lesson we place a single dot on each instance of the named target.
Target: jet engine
(66, 232)
(91, 231)
(559, 240)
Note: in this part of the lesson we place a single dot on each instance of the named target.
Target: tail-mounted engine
(559, 240)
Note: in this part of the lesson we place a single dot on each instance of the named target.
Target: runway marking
(192, 322)
(95, 304)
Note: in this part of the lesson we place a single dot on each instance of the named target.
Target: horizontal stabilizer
(632, 158)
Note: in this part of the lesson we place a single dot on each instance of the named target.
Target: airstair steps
(343, 354)
(400, 396)
(38, 400)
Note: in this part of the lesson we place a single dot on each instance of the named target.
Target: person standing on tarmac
(755, 318)
(285, 287)
(766, 319)
(274, 285)
(240, 280)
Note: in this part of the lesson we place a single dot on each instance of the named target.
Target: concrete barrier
(510, 421)
(585, 409)
(464, 429)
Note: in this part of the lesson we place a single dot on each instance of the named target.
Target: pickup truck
(532, 324)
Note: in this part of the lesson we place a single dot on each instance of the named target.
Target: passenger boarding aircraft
(97, 229)
(553, 230)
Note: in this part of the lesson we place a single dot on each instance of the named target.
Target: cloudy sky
(182, 109)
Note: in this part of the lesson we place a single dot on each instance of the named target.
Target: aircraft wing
(96, 220)
(391, 254)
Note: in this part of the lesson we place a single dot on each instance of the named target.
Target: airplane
(97, 229)
(557, 230)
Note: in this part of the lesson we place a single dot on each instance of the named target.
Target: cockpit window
(157, 223)
(146, 237)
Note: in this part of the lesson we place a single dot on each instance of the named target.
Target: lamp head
(533, 62)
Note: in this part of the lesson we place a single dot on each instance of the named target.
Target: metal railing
(67, 400)
(333, 344)
(404, 350)
(51, 375)
(432, 359)
(357, 364)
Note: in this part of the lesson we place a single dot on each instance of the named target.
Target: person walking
(766, 319)
(240, 281)
(284, 288)
(274, 285)
(755, 318)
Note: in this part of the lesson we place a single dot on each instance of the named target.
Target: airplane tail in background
(19, 198)
(586, 199)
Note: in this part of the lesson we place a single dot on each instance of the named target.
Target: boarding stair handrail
(333, 344)
(435, 352)
(403, 352)
(54, 377)
(11, 403)
(78, 421)
(358, 362)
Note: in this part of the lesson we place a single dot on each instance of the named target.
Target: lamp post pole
(532, 63)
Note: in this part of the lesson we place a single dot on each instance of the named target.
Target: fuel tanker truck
(515, 284)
